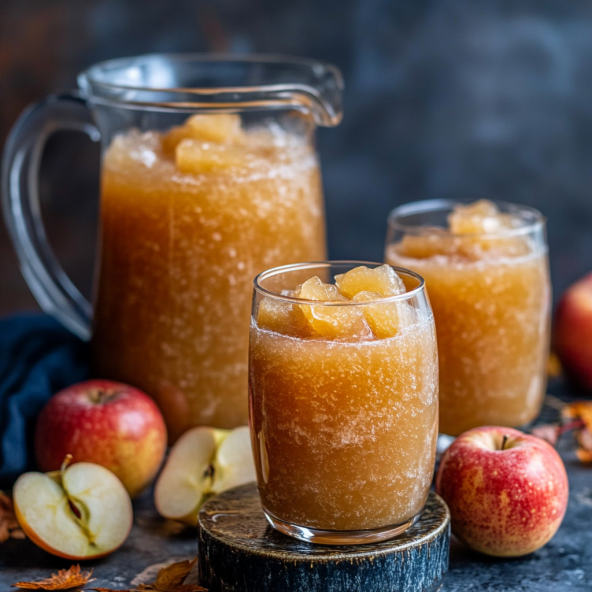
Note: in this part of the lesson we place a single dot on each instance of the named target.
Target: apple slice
(233, 463)
(204, 461)
(80, 512)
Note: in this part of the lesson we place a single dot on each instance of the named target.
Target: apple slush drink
(488, 283)
(189, 217)
(343, 397)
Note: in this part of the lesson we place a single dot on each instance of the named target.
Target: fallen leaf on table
(581, 411)
(65, 579)
(584, 438)
(171, 578)
(168, 579)
(9, 527)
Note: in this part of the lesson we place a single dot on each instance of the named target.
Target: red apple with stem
(107, 423)
(507, 491)
(573, 332)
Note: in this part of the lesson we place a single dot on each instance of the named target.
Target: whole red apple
(507, 491)
(107, 423)
(573, 332)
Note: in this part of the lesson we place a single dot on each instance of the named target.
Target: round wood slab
(240, 552)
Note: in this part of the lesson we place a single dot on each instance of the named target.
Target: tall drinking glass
(209, 176)
(343, 390)
(486, 270)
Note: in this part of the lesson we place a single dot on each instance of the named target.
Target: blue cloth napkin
(38, 357)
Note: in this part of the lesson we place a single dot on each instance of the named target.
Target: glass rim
(274, 271)
(303, 96)
(431, 205)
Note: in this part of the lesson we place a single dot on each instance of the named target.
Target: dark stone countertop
(565, 563)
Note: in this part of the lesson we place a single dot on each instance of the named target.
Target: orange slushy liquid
(489, 290)
(344, 405)
(188, 219)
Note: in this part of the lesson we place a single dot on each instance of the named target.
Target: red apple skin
(573, 332)
(504, 503)
(123, 431)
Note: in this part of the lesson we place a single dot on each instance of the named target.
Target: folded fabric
(38, 357)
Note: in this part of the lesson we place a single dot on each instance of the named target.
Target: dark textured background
(444, 98)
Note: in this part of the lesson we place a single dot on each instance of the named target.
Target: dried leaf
(65, 579)
(581, 411)
(9, 527)
(584, 438)
(171, 578)
(168, 579)
(584, 456)
(549, 433)
(111, 590)
(108, 590)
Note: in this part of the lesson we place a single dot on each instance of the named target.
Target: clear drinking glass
(343, 404)
(488, 281)
(209, 176)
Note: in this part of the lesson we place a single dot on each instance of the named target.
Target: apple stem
(102, 395)
(66, 462)
(504, 440)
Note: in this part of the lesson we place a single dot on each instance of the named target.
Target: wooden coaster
(240, 552)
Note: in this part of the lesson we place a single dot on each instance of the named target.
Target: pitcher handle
(52, 288)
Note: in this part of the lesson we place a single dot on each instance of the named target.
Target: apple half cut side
(81, 512)
(204, 461)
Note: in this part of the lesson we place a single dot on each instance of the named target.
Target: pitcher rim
(304, 96)
(272, 58)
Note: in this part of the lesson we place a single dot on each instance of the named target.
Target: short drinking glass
(343, 391)
(486, 270)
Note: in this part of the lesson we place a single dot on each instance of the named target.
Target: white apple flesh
(82, 512)
(233, 464)
(203, 462)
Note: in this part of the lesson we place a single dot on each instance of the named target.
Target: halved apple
(204, 461)
(80, 512)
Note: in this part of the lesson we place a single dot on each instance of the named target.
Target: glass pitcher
(209, 176)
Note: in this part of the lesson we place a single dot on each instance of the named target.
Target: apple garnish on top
(203, 462)
(82, 511)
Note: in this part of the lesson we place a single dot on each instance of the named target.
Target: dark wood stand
(239, 551)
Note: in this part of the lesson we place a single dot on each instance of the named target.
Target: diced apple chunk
(383, 280)
(196, 157)
(480, 217)
(173, 138)
(221, 128)
(315, 289)
(386, 319)
(282, 317)
(216, 128)
(327, 321)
